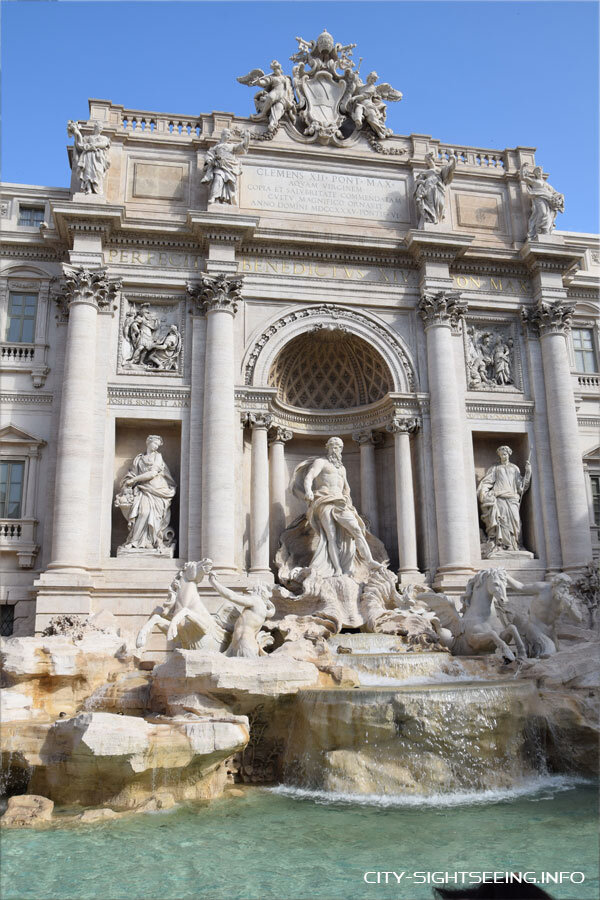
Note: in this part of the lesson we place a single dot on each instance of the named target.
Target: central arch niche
(329, 368)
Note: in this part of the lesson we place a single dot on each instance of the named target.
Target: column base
(411, 576)
(452, 579)
(260, 575)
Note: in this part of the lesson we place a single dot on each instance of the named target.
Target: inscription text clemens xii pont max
(324, 193)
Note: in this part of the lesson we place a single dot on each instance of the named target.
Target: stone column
(368, 440)
(219, 296)
(278, 478)
(402, 427)
(86, 291)
(441, 312)
(553, 321)
(259, 494)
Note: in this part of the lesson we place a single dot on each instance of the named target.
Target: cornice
(39, 398)
(274, 249)
(137, 395)
(32, 251)
(521, 410)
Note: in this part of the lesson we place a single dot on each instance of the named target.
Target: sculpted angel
(276, 97)
(222, 168)
(91, 157)
(366, 104)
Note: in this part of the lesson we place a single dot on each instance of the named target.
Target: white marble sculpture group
(150, 343)
(325, 100)
(490, 360)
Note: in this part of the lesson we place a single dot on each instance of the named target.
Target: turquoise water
(291, 845)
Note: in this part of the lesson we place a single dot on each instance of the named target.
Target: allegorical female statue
(500, 492)
(91, 157)
(430, 190)
(222, 167)
(145, 500)
(545, 201)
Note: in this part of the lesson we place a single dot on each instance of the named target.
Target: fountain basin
(394, 739)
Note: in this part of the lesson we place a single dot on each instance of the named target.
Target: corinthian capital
(281, 434)
(91, 286)
(550, 317)
(217, 292)
(403, 424)
(442, 308)
(257, 420)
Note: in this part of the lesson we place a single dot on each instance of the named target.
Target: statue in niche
(145, 499)
(91, 157)
(322, 482)
(222, 167)
(276, 97)
(500, 493)
(545, 201)
(430, 190)
(150, 349)
(489, 360)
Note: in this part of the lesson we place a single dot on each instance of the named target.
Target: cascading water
(419, 723)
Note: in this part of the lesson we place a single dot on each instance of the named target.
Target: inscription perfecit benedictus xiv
(324, 193)
(317, 269)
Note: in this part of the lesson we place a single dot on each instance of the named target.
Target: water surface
(289, 844)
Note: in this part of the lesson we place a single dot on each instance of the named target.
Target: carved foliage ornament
(325, 100)
(280, 434)
(403, 424)
(256, 420)
(217, 292)
(550, 318)
(91, 286)
(442, 308)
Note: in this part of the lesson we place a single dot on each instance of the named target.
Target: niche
(130, 439)
(484, 451)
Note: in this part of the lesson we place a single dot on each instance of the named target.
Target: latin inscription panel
(333, 194)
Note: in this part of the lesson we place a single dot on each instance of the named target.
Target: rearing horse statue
(483, 624)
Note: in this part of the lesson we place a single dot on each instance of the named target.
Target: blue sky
(487, 74)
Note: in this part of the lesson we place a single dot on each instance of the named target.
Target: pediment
(10, 435)
(592, 456)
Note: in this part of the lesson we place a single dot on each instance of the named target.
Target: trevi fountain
(312, 593)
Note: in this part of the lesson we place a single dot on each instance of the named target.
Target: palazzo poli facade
(244, 296)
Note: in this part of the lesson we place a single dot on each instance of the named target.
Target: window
(7, 620)
(21, 317)
(11, 488)
(595, 481)
(31, 215)
(583, 345)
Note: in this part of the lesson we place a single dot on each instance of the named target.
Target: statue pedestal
(165, 552)
(80, 197)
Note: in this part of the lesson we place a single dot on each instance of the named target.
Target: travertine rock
(26, 810)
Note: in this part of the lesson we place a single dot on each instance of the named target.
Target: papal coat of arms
(325, 99)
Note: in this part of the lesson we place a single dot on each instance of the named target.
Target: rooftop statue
(545, 201)
(91, 157)
(430, 190)
(222, 168)
(330, 103)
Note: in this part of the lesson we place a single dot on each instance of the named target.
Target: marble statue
(222, 167)
(366, 106)
(183, 617)
(549, 600)
(500, 493)
(256, 606)
(276, 97)
(545, 201)
(330, 102)
(91, 157)
(151, 348)
(490, 360)
(144, 498)
(322, 482)
(483, 623)
(430, 189)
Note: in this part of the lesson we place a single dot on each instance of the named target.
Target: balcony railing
(18, 536)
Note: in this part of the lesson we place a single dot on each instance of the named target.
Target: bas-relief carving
(222, 168)
(430, 190)
(500, 494)
(234, 628)
(545, 201)
(150, 343)
(331, 102)
(91, 157)
(490, 358)
(144, 498)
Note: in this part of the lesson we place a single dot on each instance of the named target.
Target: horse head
(485, 588)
